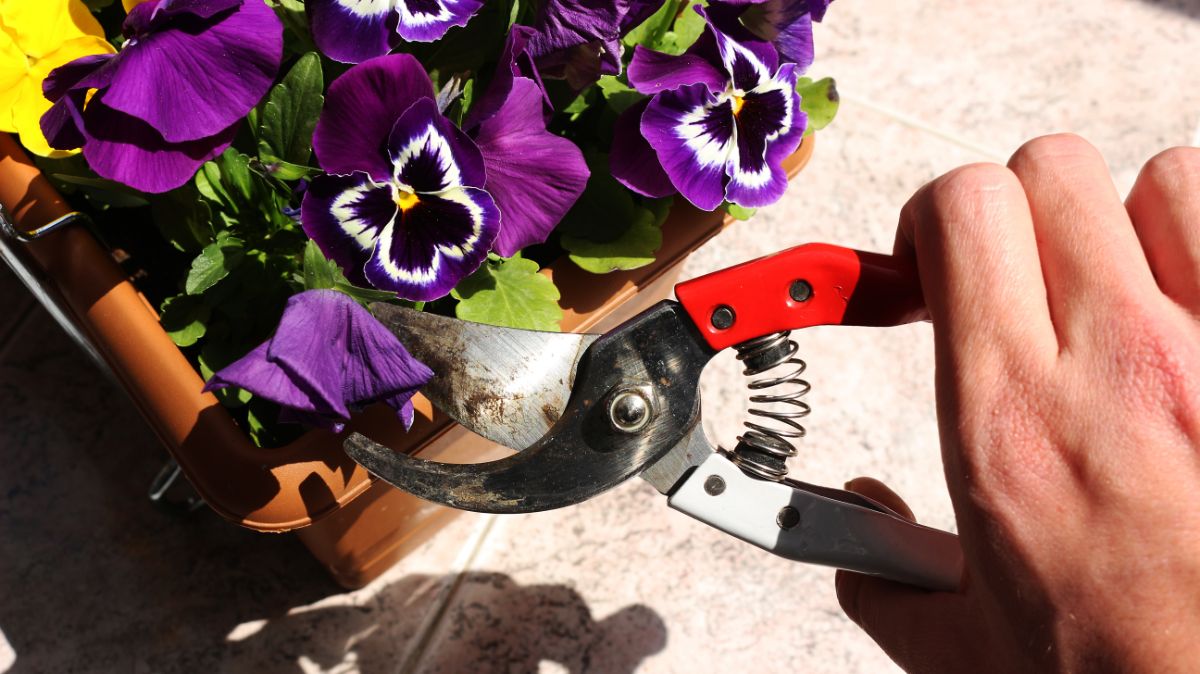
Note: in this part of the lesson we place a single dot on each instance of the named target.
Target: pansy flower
(785, 23)
(35, 38)
(328, 357)
(722, 118)
(151, 114)
(580, 40)
(353, 31)
(410, 203)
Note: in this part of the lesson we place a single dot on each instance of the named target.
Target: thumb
(922, 631)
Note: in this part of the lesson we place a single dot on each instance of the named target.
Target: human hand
(1067, 337)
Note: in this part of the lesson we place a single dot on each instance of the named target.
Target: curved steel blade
(508, 385)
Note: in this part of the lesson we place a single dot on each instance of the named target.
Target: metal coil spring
(763, 449)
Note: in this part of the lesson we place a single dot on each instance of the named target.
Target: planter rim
(267, 489)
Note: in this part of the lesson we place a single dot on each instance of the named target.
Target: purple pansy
(580, 40)
(328, 356)
(353, 31)
(785, 23)
(412, 204)
(151, 114)
(722, 118)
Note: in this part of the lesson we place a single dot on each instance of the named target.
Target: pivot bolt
(800, 291)
(787, 518)
(714, 485)
(722, 317)
(629, 411)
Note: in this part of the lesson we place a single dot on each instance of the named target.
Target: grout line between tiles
(908, 120)
(461, 566)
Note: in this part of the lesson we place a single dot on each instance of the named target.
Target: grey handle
(806, 525)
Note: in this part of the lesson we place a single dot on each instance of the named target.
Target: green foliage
(184, 318)
(634, 248)
(739, 212)
(213, 264)
(819, 100)
(290, 114)
(509, 292)
(618, 94)
(671, 30)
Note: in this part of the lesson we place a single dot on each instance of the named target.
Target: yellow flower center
(406, 200)
(738, 102)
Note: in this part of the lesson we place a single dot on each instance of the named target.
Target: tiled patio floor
(93, 578)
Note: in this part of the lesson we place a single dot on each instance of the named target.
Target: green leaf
(183, 218)
(651, 31)
(510, 293)
(319, 272)
(289, 171)
(236, 175)
(739, 212)
(635, 248)
(290, 113)
(606, 208)
(618, 94)
(687, 28)
(819, 100)
(213, 264)
(363, 296)
(184, 318)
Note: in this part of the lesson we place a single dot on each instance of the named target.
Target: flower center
(406, 200)
(737, 104)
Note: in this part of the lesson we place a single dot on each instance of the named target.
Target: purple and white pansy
(412, 204)
(352, 31)
(721, 120)
(785, 23)
(125, 109)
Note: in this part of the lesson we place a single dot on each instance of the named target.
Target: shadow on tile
(1189, 7)
(498, 625)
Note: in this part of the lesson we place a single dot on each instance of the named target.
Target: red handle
(813, 284)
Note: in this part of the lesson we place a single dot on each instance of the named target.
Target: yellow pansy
(37, 36)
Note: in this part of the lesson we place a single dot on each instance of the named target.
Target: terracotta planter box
(356, 526)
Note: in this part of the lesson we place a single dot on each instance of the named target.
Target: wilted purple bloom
(410, 202)
(580, 40)
(785, 23)
(328, 356)
(171, 99)
(353, 31)
(722, 118)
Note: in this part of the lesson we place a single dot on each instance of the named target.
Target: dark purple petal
(435, 242)
(786, 23)
(534, 175)
(344, 215)
(429, 153)
(361, 108)
(190, 78)
(428, 20)
(632, 161)
(636, 13)
(748, 61)
(128, 150)
(817, 8)
(256, 373)
(514, 62)
(693, 135)
(770, 126)
(328, 355)
(562, 24)
(201, 9)
(349, 31)
(651, 72)
(86, 72)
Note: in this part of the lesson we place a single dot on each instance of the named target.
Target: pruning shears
(587, 412)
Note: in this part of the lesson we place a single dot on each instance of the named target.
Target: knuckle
(960, 193)
(1177, 168)
(1060, 149)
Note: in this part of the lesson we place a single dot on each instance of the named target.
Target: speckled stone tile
(94, 578)
(1120, 72)
(15, 302)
